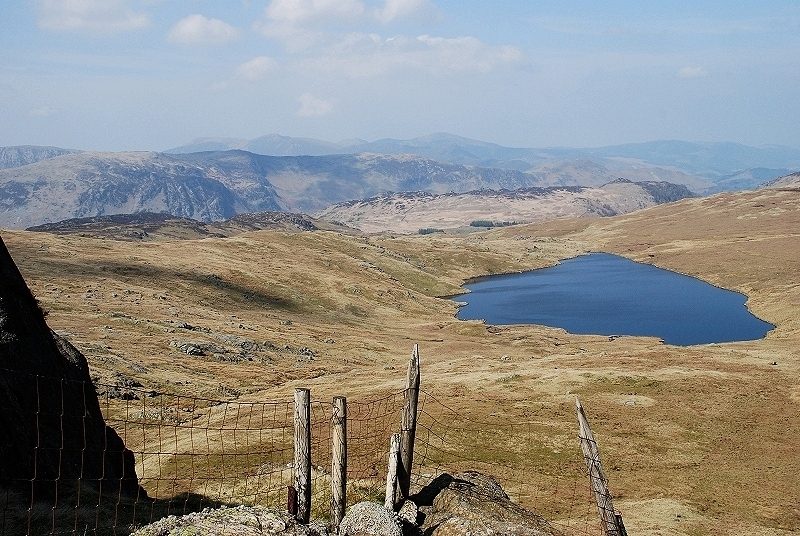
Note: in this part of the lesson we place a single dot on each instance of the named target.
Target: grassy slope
(700, 440)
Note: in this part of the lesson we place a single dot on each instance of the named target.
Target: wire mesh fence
(518, 453)
(190, 453)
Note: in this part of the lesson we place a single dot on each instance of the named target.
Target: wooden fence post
(302, 453)
(338, 461)
(611, 521)
(391, 474)
(409, 424)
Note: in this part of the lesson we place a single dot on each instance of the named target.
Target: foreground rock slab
(232, 521)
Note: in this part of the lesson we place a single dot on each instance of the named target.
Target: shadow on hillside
(135, 274)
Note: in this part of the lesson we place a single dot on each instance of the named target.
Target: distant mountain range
(41, 185)
(218, 185)
(412, 212)
(702, 166)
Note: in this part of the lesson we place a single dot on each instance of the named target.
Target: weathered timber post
(338, 461)
(391, 474)
(302, 453)
(409, 424)
(609, 519)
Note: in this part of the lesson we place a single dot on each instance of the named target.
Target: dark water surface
(606, 294)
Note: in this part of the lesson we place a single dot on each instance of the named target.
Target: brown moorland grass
(698, 440)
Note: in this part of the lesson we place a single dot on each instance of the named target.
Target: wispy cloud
(299, 11)
(93, 16)
(200, 30)
(398, 9)
(691, 72)
(365, 55)
(301, 25)
(311, 106)
(256, 68)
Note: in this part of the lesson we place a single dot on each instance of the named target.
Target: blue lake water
(606, 294)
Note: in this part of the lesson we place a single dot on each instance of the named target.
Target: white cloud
(299, 24)
(691, 72)
(311, 106)
(298, 11)
(95, 16)
(200, 30)
(396, 9)
(256, 69)
(364, 55)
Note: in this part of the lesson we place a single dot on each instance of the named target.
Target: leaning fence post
(302, 453)
(611, 521)
(409, 424)
(338, 461)
(391, 474)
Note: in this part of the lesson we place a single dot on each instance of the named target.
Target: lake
(606, 294)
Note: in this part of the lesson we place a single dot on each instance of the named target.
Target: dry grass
(709, 445)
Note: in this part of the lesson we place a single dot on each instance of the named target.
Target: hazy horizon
(150, 75)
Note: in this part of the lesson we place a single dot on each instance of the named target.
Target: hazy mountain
(708, 159)
(409, 212)
(747, 179)
(271, 144)
(596, 172)
(702, 166)
(22, 155)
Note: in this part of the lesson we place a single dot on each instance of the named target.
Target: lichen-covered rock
(370, 519)
(232, 521)
(473, 504)
(408, 513)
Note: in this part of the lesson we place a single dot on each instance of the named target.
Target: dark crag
(53, 439)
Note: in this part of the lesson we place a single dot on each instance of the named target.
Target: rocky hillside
(145, 226)
(91, 184)
(789, 181)
(412, 212)
(218, 185)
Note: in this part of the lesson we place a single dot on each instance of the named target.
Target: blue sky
(151, 74)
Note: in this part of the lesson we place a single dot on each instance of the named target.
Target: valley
(682, 429)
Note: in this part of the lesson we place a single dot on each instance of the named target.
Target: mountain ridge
(708, 159)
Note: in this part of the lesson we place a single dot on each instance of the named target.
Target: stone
(370, 519)
(409, 512)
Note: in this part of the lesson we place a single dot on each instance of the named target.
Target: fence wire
(190, 453)
(518, 453)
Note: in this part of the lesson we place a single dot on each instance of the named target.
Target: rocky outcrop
(53, 432)
(462, 504)
(470, 503)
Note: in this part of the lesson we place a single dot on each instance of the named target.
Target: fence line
(193, 452)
